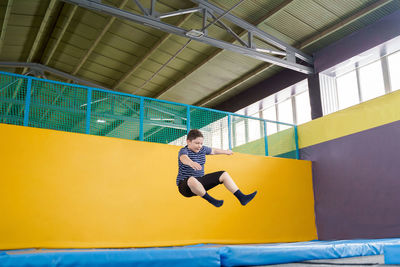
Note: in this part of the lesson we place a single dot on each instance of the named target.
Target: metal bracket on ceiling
(35, 72)
(272, 52)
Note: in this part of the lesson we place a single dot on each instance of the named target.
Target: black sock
(215, 202)
(244, 199)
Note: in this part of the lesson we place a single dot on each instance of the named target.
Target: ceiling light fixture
(194, 34)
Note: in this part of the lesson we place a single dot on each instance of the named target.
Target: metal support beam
(42, 28)
(256, 31)
(192, 33)
(60, 36)
(233, 85)
(97, 41)
(216, 53)
(152, 22)
(230, 31)
(42, 68)
(250, 39)
(144, 11)
(153, 8)
(146, 56)
(179, 12)
(303, 45)
(205, 18)
(5, 23)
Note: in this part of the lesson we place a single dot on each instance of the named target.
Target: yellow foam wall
(65, 190)
(373, 113)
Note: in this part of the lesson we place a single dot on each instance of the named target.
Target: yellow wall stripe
(367, 115)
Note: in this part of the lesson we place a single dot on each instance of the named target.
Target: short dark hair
(193, 134)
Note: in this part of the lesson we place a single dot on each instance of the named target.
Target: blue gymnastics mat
(199, 255)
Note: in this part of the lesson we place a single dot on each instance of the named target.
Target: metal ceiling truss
(5, 23)
(37, 68)
(335, 27)
(216, 53)
(294, 59)
(59, 37)
(97, 41)
(146, 56)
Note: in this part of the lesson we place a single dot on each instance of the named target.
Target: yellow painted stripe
(367, 115)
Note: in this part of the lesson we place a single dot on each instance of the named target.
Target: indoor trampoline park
(199, 133)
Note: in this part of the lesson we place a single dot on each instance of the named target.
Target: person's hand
(196, 166)
(229, 152)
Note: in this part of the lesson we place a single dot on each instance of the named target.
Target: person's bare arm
(217, 151)
(187, 161)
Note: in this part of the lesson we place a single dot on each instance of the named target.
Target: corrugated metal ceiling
(129, 57)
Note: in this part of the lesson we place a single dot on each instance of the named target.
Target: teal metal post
(141, 133)
(265, 138)
(27, 101)
(296, 139)
(187, 119)
(230, 131)
(88, 110)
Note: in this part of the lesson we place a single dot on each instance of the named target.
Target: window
(285, 113)
(216, 138)
(371, 81)
(240, 133)
(207, 135)
(270, 114)
(303, 108)
(241, 112)
(254, 128)
(347, 89)
(365, 76)
(253, 109)
(394, 70)
(179, 142)
(225, 139)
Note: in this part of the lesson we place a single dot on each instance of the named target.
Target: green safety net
(12, 99)
(61, 106)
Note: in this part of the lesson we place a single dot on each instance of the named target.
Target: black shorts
(208, 181)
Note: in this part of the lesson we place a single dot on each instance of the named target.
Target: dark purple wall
(375, 34)
(357, 184)
(314, 93)
(356, 177)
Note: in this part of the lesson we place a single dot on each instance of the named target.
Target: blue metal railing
(137, 115)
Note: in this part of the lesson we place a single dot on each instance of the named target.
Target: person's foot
(244, 199)
(217, 203)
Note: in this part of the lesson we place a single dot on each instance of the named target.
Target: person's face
(196, 144)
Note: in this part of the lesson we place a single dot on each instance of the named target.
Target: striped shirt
(186, 171)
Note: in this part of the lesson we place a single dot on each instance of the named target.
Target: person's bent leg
(227, 180)
(198, 189)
